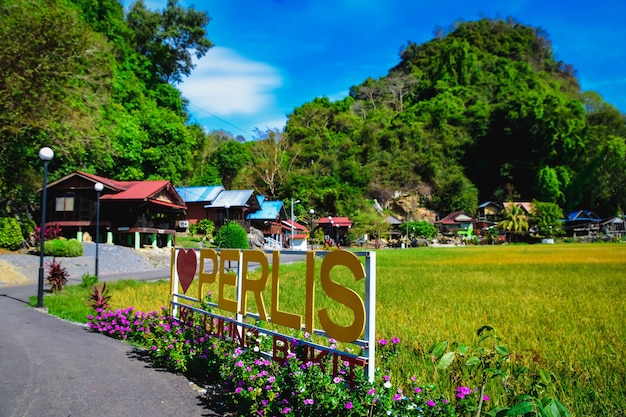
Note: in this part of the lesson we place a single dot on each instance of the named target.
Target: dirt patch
(11, 275)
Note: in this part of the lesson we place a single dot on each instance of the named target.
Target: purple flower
(395, 340)
(349, 405)
(308, 401)
(462, 391)
(486, 398)
(431, 403)
(382, 342)
(417, 390)
(286, 410)
(397, 397)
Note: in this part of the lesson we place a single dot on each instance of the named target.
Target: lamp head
(226, 206)
(46, 153)
(311, 211)
(98, 186)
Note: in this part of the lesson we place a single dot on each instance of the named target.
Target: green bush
(28, 226)
(232, 235)
(10, 233)
(206, 227)
(63, 248)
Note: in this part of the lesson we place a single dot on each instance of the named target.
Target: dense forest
(483, 111)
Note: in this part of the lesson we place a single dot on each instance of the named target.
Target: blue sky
(271, 56)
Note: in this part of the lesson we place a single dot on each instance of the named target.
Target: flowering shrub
(257, 386)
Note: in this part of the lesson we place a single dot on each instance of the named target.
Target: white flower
(387, 384)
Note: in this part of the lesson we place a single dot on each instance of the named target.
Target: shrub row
(63, 248)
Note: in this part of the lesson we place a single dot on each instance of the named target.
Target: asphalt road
(50, 367)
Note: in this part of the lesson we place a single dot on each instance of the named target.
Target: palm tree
(515, 220)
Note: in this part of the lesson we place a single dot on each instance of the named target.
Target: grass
(561, 307)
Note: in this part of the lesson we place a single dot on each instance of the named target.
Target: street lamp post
(227, 224)
(311, 212)
(227, 207)
(291, 237)
(46, 154)
(330, 227)
(98, 187)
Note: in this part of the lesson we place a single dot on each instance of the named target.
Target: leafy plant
(480, 363)
(10, 233)
(232, 235)
(57, 276)
(87, 280)
(99, 298)
(205, 227)
(65, 248)
(49, 233)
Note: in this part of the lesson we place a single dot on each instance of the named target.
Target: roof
(157, 191)
(235, 198)
(199, 194)
(270, 210)
(455, 217)
(490, 203)
(583, 215)
(296, 226)
(525, 205)
(613, 220)
(392, 220)
(341, 221)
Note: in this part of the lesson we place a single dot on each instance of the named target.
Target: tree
(271, 161)
(547, 219)
(231, 235)
(419, 229)
(55, 71)
(515, 219)
(166, 40)
(229, 159)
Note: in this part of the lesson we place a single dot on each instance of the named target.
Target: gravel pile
(112, 259)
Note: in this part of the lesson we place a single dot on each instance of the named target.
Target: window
(65, 203)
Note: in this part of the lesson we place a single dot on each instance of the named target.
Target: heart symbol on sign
(186, 264)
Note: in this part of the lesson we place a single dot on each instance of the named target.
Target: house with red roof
(336, 229)
(132, 213)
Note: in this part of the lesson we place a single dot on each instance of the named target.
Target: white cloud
(225, 83)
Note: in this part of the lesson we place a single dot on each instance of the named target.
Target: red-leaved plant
(99, 298)
(57, 276)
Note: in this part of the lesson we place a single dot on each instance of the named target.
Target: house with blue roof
(582, 223)
(195, 199)
(232, 205)
(268, 219)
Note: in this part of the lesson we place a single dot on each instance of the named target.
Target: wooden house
(336, 229)
(613, 227)
(196, 198)
(132, 213)
(456, 223)
(232, 205)
(582, 223)
(269, 219)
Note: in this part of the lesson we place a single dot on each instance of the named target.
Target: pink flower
(486, 398)
(348, 405)
(431, 403)
(382, 342)
(308, 401)
(395, 340)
